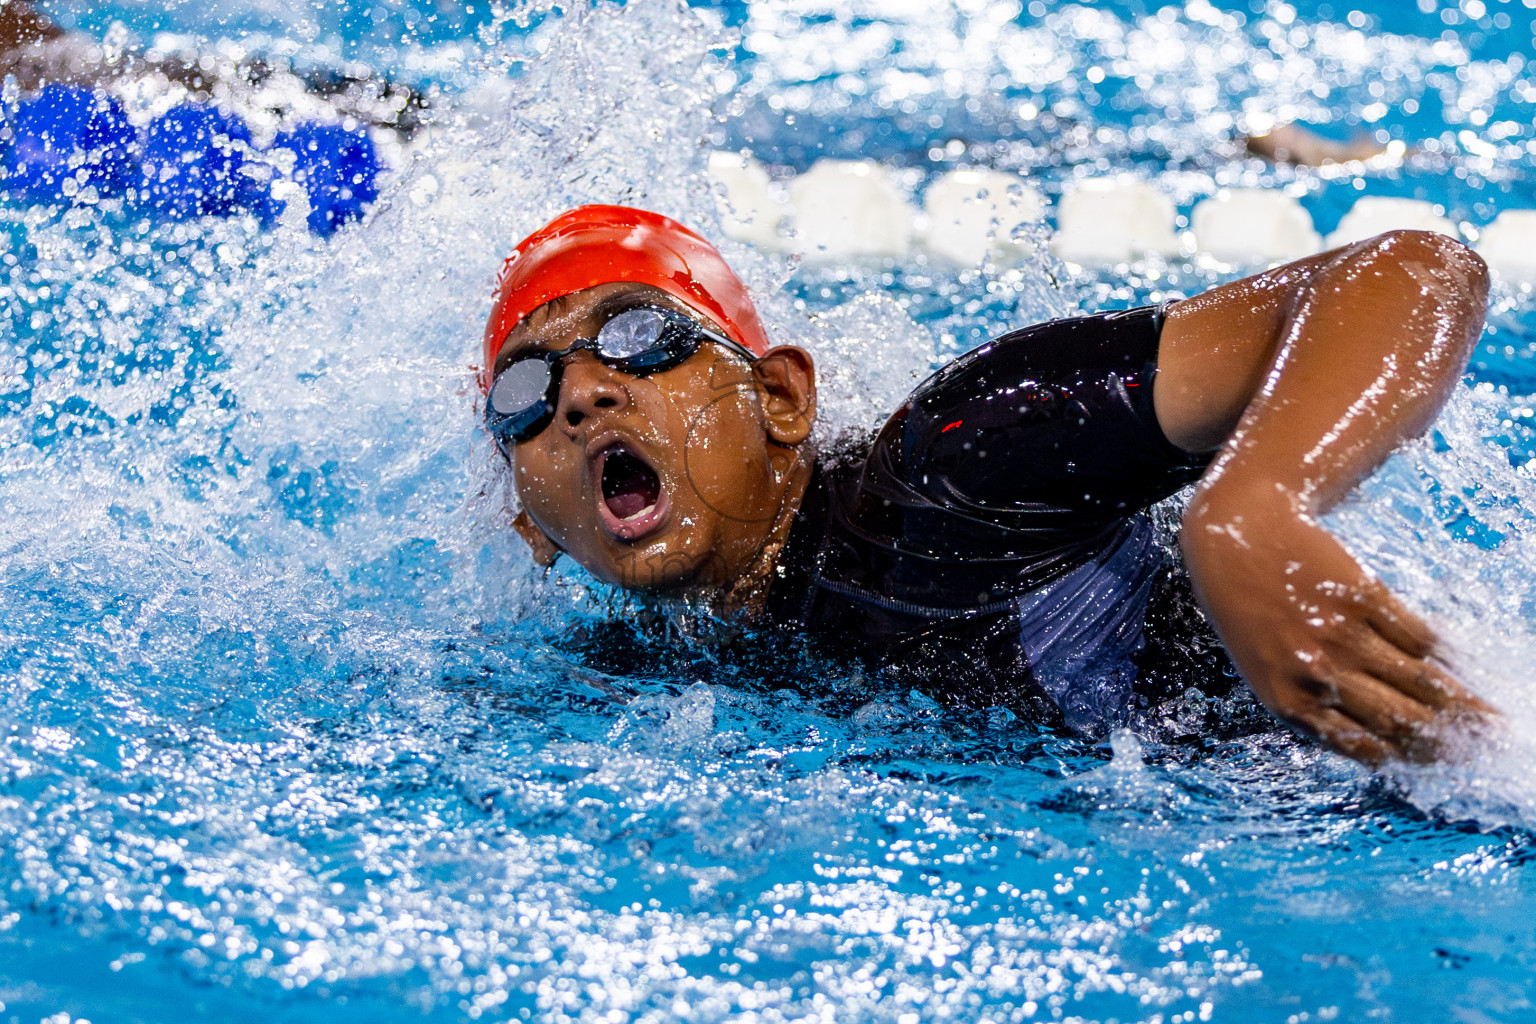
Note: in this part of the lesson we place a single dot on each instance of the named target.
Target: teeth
(643, 512)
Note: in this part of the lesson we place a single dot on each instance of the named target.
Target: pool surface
(291, 729)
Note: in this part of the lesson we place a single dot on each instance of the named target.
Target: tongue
(629, 485)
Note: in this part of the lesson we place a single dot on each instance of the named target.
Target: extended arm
(1307, 377)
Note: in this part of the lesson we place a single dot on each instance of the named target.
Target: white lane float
(1106, 221)
(1509, 245)
(1371, 215)
(972, 214)
(749, 210)
(850, 209)
(1253, 225)
(854, 209)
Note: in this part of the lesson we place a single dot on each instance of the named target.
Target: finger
(1397, 625)
(1386, 713)
(1465, 700)
(1424, 681)
(1348, 736)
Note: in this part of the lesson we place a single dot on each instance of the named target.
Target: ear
(544, 550)
(788, 379)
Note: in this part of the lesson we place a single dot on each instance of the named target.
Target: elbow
(1448, 259)
(1434, 280)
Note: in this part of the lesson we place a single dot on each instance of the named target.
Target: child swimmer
(993, 541)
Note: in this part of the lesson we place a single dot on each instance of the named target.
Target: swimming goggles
(638, 341)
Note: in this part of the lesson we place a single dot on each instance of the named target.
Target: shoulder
(1031, 374)
(1058, 412)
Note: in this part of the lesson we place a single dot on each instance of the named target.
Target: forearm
(1369, 346)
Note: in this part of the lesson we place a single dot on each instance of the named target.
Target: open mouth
(633, 503)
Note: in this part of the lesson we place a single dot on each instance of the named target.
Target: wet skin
(1303, 378)
(725, 441)
(1306, 377)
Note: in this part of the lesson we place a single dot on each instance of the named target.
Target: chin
(660, 568)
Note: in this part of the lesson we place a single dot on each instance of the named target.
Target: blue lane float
(338, 168)
(65, 139)
(192, 161)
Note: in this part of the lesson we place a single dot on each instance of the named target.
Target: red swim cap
(594, 245)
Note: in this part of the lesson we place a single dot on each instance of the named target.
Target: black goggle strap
(722, 340)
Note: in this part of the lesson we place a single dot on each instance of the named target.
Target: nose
(586, 387)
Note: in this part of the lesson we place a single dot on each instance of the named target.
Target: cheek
(546, 488)
(726, 461)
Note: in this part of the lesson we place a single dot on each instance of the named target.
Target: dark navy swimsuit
(994, 544)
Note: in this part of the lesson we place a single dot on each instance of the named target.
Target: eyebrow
(553, 308)
(613, 305)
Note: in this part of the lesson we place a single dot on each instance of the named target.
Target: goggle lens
(631, 334)
(519, 386)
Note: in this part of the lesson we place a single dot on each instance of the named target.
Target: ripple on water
(290, 727)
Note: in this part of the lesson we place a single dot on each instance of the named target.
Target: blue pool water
(290, 729)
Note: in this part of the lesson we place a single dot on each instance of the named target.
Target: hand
(1322, 642)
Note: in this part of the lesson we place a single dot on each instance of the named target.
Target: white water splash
(1410, 523)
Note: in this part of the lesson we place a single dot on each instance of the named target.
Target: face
(669, 481)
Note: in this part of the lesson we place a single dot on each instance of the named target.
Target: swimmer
(35, 52)
(993, 542)
(70, 140)
(1293, 144)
